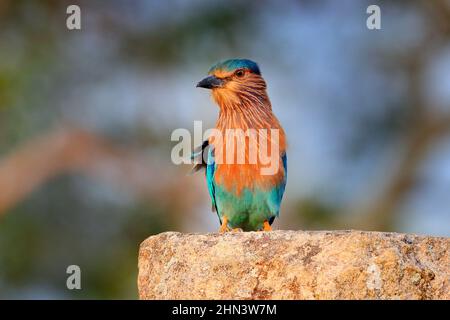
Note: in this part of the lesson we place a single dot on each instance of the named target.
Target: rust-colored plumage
(244, 193)
(244, 104)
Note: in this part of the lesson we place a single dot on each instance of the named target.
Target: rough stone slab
(294, 265)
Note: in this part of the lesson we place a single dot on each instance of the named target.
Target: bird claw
(266, 226)
(224, 227)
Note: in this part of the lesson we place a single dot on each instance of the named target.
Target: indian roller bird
(243, 198)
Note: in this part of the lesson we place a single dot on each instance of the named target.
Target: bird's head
(235, 82)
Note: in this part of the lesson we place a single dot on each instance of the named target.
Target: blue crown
(234, 64)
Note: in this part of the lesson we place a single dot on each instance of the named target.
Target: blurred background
(86, 118)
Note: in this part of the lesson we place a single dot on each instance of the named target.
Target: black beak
(210, 83)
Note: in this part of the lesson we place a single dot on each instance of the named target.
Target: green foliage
(315, 214)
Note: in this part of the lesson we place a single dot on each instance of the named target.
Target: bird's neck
(236, 176)
(246, 113)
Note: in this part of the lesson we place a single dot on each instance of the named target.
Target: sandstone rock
(294, 265)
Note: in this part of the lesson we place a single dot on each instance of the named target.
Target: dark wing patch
(198, 157)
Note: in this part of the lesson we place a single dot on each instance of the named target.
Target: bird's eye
(240, 73)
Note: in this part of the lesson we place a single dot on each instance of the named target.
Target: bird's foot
(234, 230)
(266, 226)
(224, 227)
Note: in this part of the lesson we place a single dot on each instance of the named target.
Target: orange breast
(249, 161)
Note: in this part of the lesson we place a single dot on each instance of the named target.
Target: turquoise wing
(203, 157)
(210, 169)
(283, 183)
(276, 194)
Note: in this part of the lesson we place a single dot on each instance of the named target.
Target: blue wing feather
(210, 169)
(283, 184)
(198, 155)
(276, 194)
